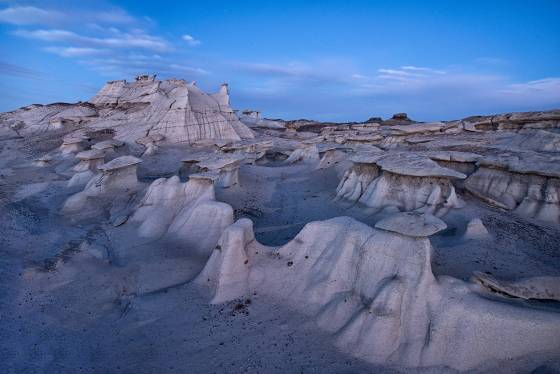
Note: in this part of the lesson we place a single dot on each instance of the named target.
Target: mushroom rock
(534, 288)
(375, 291)
(116, 177)
(406, 181)
(173, 108)
(476, 230)
(90, 160)
(225, 166)
(186, 212)
(107, 145)
(306, 153)
(72, 144)
(189, 165)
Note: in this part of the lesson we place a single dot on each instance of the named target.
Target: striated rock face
(173, 108)
(514, 187)
(406, 182)
(375, 291)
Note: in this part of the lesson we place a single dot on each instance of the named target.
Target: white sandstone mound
(375, 291)
(187, 212)
(540, 288)
(308, 153)
(117, 178)
(404, 181)
(173, 108)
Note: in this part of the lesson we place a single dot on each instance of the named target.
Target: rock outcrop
(186, 212)
(178, 110)
(375, 290)
(402, 181)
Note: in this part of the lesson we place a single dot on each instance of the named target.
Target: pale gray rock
(375, 291)
(476, 230)
(536, 288)
(412, 224)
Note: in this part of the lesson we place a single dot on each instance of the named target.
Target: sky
(325, 60)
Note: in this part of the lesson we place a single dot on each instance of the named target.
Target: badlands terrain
(154, 229)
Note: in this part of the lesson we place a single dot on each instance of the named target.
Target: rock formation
(173, 108)
(134, 211)
(185, 211)
(178, 110)
(402, 181)
(375, 290)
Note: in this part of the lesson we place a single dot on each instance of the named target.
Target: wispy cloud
(75, 51)
(115, 42)
(191, 40)
(118, 39)
(31, 15)
(417, 89)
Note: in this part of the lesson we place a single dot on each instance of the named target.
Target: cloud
(344, 92)
(75, 51)
(407, 73)
(134, 64)
(117, 39)
(191, 40)
(30, 15)
(542, 90)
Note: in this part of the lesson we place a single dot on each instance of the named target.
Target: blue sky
(327, 60)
